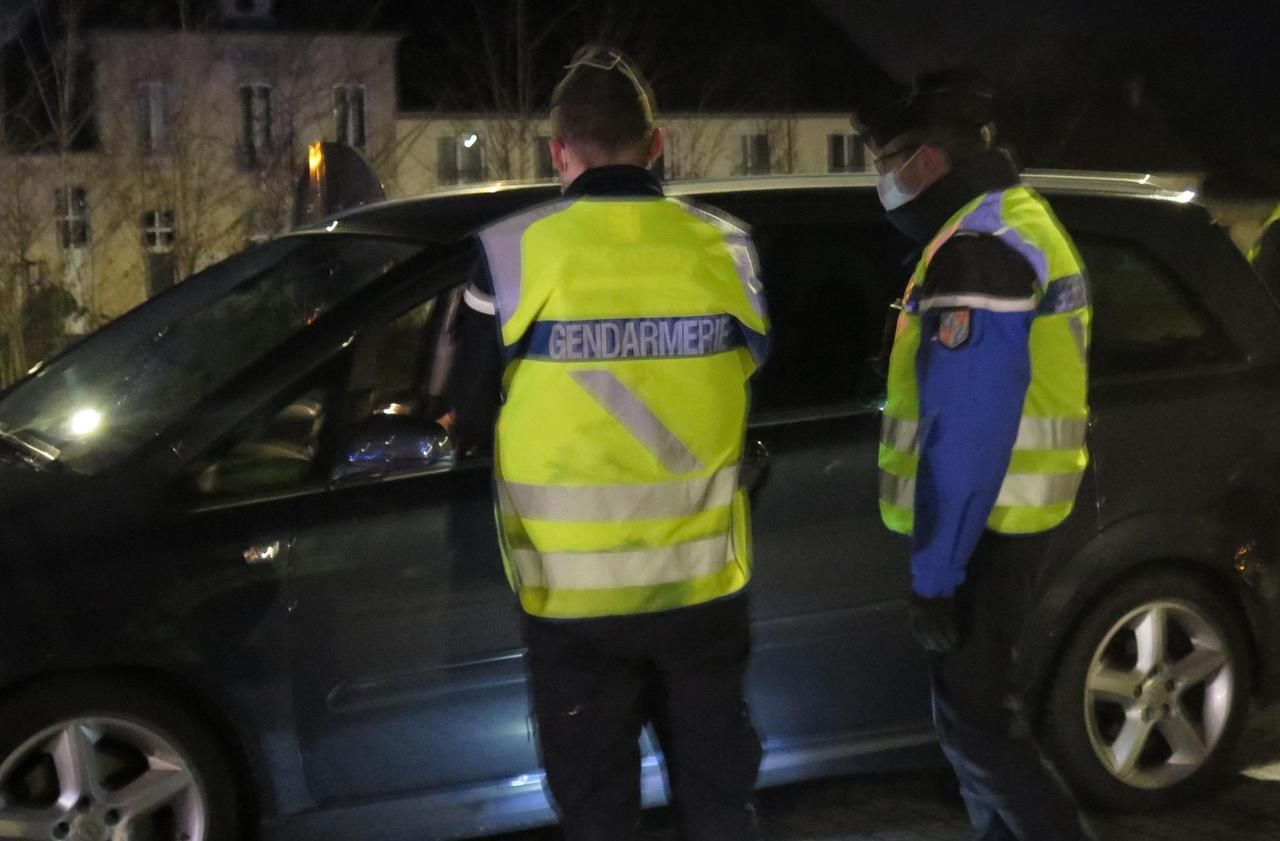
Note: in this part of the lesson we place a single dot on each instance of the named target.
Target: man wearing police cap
(983, 437)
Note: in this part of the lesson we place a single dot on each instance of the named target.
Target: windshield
(125, 384)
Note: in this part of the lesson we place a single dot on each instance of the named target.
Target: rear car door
(833, 655)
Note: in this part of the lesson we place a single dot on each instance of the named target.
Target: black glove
(933, 623)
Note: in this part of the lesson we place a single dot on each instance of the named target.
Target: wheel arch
(1192, 546)
(256, 788)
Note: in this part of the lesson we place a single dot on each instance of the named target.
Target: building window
(754, 154)
(544, 168)
(846, 153)
(255, 123)
(667, 166)
(154, 100)
(158, 230)
(460, 158)
(349, 115)
(71, 206)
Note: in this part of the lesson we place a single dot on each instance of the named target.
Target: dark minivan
(248, 588)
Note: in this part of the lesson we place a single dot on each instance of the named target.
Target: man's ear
(935, 162)
(657, 144)
(557, 155)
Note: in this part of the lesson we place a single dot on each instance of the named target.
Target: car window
(399, 365)
(126, 383)
(277, 450)
(1145, 319)
(828, 289)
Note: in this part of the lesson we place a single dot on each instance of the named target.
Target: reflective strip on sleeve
(1037, 489)
(1064, 295)
(479, 301)
(992, 303)
(630, 568)
(638, 419)
(611, 503)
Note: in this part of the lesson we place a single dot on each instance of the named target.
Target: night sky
(1145, 85)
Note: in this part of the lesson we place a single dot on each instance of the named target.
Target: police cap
(952, 98)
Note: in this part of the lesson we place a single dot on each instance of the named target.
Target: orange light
(315, 159)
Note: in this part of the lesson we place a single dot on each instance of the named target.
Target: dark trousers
(595, 684)
(1011, 792)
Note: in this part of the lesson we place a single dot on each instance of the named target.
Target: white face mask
(892, 196)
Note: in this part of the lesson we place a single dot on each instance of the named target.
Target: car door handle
(264, 553)
(755, 465)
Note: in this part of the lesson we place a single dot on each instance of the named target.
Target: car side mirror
(387, 443)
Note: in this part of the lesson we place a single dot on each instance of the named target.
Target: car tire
(1151, 694)
(90, 757)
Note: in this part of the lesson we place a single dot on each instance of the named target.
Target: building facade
(167, 150)
(199, 138)
(446, 150)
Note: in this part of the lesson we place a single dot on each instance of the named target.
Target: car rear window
(1145, 319)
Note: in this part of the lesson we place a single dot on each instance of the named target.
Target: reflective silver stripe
(1051, 433)
(991, 303)
(1067, 293)
(528, 571)
(897, 490)
(1033, 433)
(638, 419)
(1018, 489)
(612, 503)
(1035, 489)
(502, 242)
(742, 252)
(899, 434)
(479, 301)
(631, 568)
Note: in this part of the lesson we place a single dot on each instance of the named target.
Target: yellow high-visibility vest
(1049, 456)
(631, 328)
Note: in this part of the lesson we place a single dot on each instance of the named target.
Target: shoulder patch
(953, 327)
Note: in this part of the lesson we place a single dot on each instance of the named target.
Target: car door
(404, 637)
(833, 654)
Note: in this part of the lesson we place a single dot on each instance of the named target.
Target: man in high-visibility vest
(983, 440)
(629, 326)
(1265, 253)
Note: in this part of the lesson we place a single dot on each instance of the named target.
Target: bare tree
(46, 129)
(187, 144)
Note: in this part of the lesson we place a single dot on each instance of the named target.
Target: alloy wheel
(100, 779)
(1158, 694)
